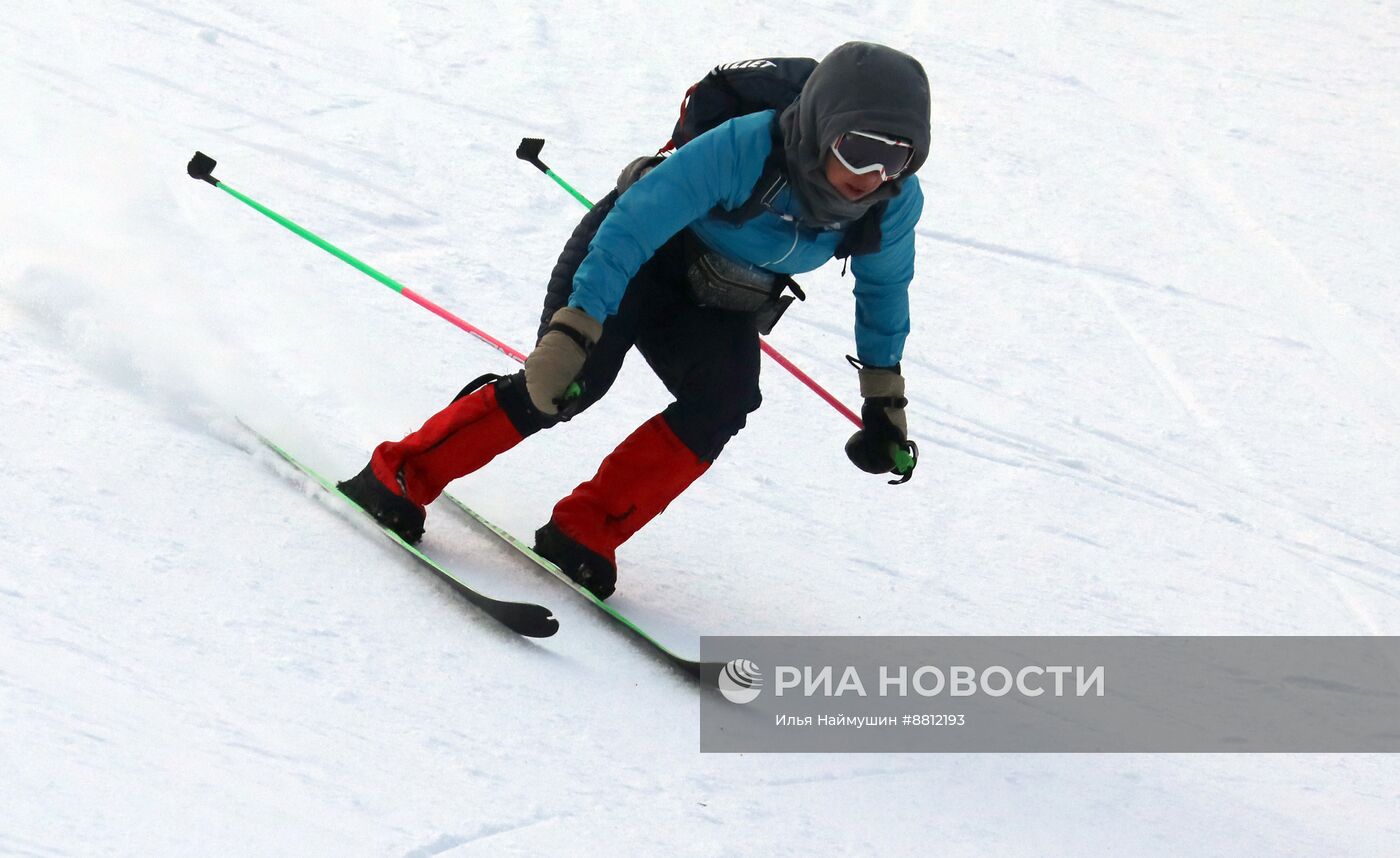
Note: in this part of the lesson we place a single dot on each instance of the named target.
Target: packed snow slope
(1153, 374)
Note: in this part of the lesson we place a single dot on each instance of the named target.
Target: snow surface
(1153, 374)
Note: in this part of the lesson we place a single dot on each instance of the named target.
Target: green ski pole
(529, 150)
(201, 167)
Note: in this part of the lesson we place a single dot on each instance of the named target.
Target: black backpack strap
(859, 238)
(770, 182)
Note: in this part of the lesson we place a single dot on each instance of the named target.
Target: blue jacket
(722, 166)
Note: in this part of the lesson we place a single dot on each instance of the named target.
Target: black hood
(860, 86)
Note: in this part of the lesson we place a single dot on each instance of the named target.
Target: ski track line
(840, 777)
(1144, 11)
(160, 11)
(1168, 380)
(1320, 313)
(452, 842)
(321, 166)
(1337, 331)
(1350, 599)
(43, 76)
(1309, 302)
(1210, 506)
(1182, 391)
(11, 844)
(1115, 275)
(1215, 481)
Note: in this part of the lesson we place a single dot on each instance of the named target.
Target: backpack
(750, 86)
(738, 89)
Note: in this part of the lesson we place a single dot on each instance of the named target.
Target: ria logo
(740, 681)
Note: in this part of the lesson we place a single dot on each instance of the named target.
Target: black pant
(708, 359)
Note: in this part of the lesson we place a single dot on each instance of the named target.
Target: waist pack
(714, 280)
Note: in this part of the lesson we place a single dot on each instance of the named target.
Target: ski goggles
(864, 152)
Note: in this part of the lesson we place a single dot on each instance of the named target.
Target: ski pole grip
(529, 150)
(905, 457)
(202, 167)
(569, 401)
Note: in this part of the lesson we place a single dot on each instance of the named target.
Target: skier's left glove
(883, 445)
(552, 369)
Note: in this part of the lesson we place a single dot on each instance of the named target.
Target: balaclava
(860, 86)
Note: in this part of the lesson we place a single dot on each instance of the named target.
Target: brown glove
(882, 388)
(883, 445)
(554, 365)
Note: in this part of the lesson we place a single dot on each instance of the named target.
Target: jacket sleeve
(720, 166)
(883, 278)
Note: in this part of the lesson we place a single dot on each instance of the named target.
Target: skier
(686, 260)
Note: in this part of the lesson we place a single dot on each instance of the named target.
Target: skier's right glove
(552, 369)
(883, 445)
